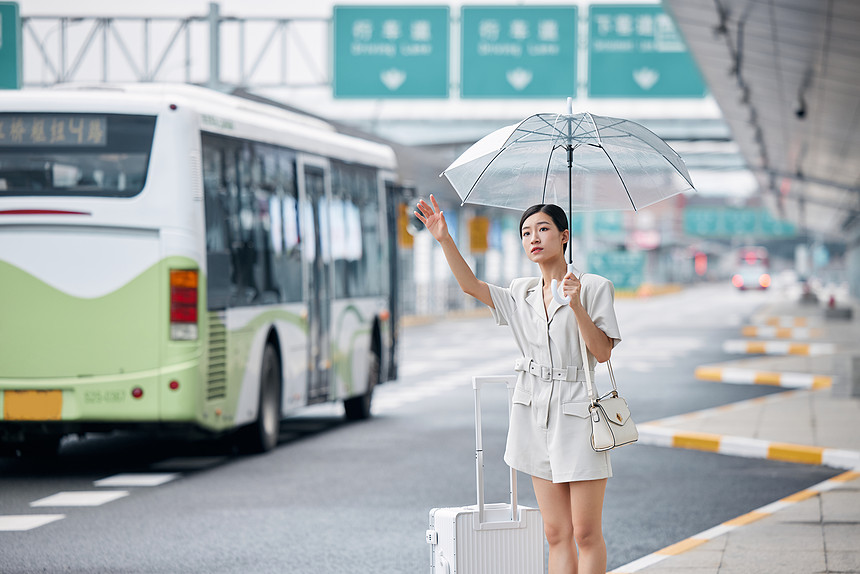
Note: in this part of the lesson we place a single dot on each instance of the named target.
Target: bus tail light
(183, 304)
(738, 281)
(764, 281)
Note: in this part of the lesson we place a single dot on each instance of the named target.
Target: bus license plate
(32, 405)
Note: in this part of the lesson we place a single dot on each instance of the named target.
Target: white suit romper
(550, 430)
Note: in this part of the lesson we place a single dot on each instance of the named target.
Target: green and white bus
(174, 259)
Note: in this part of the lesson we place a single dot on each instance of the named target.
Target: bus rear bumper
(166, 395)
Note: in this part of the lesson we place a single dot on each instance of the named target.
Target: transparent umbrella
(581, 162)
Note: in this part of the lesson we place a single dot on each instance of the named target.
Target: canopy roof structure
(786, 74)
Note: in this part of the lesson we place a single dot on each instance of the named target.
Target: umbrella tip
(570, 106)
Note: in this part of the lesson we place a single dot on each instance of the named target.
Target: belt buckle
(545, 373)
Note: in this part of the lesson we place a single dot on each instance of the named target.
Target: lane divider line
(782, 332)
(658, 435)
(80, 498)
(777, 348)
(23, 522)
(137, 479)
(735, 523)
(772, 378)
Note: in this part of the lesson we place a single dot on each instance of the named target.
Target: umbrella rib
(621, 179)
(596, 131)
(546, 175)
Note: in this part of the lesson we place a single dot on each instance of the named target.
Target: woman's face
(541, 239)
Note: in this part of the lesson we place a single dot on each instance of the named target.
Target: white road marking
(22, 522)
(141, 479)
(80, 498)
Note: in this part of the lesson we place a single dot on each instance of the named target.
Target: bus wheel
(358, 408)
(262, 434)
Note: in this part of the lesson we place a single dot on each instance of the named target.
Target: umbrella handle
(556, 294)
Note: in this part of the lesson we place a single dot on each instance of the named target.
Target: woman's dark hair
(555, 213)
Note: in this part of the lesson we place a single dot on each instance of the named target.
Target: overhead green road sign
(626, 269)
(10, 46)
(636, 51)
(730, 222)
(390, 52)
(518, 51)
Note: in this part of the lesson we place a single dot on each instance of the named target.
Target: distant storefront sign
(518, 51)
(10, 46)
(391, 51)
(729, 222)
(637, 51)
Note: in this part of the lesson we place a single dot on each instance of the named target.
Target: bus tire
(262, 434)
(358, 408)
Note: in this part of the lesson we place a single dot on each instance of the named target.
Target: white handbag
(611, 423)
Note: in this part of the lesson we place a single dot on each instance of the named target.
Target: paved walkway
(814, 531)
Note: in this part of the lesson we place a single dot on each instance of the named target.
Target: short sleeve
(503, 303)
(601, 309)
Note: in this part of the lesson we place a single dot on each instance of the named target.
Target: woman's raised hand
(432, 218)
(570, 286)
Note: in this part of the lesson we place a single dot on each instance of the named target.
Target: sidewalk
(814, 531)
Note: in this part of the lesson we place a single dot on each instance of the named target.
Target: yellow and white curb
(778, 348)
(763, 512)
(782, 332)
(771, 378)
(787, 321)
(658, 435)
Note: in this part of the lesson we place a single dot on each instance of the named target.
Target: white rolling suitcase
(487, 539)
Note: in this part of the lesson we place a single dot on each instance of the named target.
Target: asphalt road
(337, 497)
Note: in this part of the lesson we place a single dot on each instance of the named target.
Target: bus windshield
(103, 155)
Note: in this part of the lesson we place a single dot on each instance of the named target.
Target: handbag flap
(616, 410)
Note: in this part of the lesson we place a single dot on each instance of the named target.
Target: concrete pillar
(852, 265)
(846, 382)
(214, 46)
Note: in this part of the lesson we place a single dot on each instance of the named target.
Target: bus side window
(267, 229)
(217, 231)
(290, 265)
(358, 265)
(244, 248)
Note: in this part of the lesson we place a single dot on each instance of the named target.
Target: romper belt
(542, 393)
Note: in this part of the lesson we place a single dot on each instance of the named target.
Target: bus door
(319, 295)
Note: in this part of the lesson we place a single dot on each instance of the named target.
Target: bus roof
(246, 118)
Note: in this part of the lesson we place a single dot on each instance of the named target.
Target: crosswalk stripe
(23, 522)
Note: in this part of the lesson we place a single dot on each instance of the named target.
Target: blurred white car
(751, 277)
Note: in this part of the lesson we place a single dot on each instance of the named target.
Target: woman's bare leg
(555, 508)
(586, 507)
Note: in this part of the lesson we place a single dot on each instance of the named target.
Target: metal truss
(212, 50)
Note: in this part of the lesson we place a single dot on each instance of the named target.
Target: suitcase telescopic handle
(510, 382)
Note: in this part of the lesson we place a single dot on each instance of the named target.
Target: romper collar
(535, 299)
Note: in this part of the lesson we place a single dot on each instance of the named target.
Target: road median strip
(778, 348)
(771, 378)
(787, 321)
(782, 332)
(745, 519)
(658, 435)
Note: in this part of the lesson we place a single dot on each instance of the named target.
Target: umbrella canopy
(581, 162)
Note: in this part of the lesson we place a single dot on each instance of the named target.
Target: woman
(550, 429)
